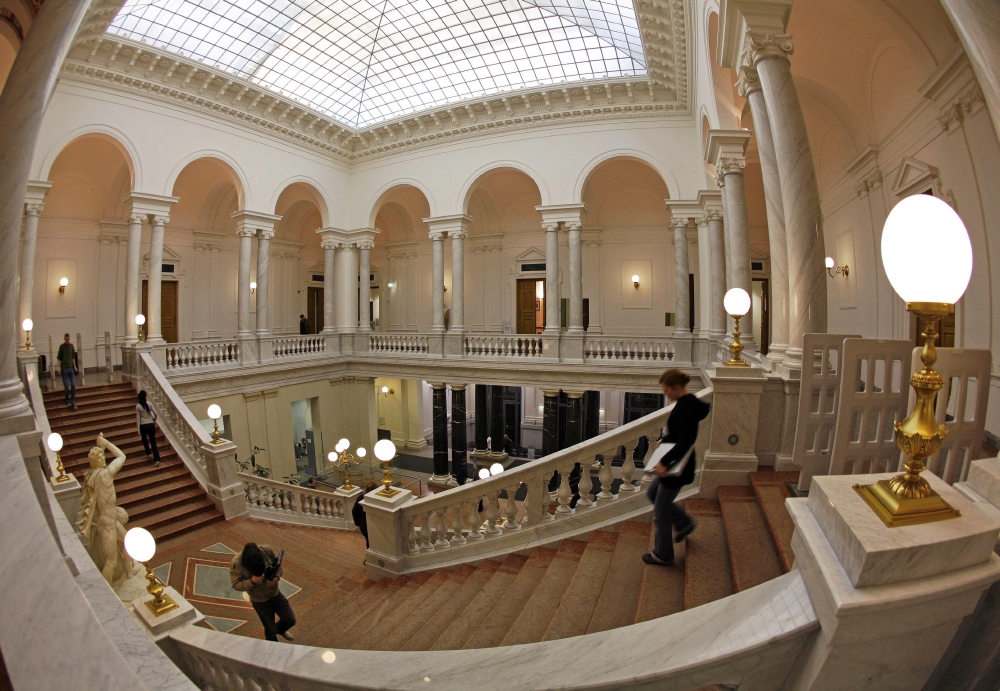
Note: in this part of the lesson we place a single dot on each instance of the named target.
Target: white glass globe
(139, 544)
(214, 411)
(635, 278)
(926, 251)
(27, 325)
(55, 441)
(343, 443)
(140, 319)
(332, 456)
(496, 469)
(362, 452)
(385, 389)
(829, 262)
(64, 281)
(484, 473)
(253, 285)
(385, 450)
(737, 302)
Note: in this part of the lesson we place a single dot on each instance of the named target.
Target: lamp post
(737, 304)
(55, 443)
(27, 325)
(343, 459)
(385, 451)
(141, 546)
(215, 412)
(140, 319)
(919, 229)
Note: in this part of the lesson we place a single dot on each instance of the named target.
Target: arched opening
(401, 291)
(296, 255)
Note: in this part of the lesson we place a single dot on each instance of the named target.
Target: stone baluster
(475, 521)
(510, 510)
(607, 477)
(441, 529)
(425, 532)
(456, 525)
(492, 507)
(628, 470)
(564, 494)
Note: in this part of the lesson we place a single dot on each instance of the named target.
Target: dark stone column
(550, 423)
(440, 426)
(496, 423)
(592, 419)
(482, 418)
(574, 418)
(459, 452)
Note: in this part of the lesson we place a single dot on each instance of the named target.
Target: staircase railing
(483, 516)
(282, 502)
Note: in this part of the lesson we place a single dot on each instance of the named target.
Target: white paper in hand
(675, 468)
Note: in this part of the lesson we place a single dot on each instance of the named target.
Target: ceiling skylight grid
(366, 61)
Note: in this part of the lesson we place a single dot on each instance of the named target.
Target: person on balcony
(145, 420)
(676, 468)
(247, 575)
(303, 325)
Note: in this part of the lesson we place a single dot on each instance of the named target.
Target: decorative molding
(762, 46)
(727, 166)
(915, 177)
(868, 183)
(955, 112)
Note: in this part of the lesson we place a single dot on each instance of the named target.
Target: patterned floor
(197, 564)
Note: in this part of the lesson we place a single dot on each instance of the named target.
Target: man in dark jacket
(303, 325)
(358, 512)
(246, 572)
(682, 431)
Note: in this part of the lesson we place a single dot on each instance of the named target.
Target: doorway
(530, 305)
(307, 440)
(168, 308)
(761, 306)
(314, 309)
(373, 310)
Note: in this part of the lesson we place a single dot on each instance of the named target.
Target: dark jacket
(682, 430)
(358, 514)
(303, 326)
(240, 578)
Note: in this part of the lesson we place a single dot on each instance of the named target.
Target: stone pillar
(263, 290)
(459, 445)
(458, 284)
(575, 278)
(365, 248)
(133, 258)
(346, 274)
(550, 422)
(482, 420)
(716, 236)
(439, 425)
(749, 86)
(329, 257)
(496, 423)
(592, 414)
(32, 210)
(799, 192)
(682, 320)
(437, 282)
(732, 439)
(705, 283)
(155, 273)
(552, 303)
(574, 419)
(245, 235)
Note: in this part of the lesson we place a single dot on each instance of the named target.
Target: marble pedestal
(733, 435)
(889, 600)
(387, 533)
(158, 626)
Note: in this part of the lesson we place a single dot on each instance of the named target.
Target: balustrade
(628, 350)
(397, 343)
(503, 346)
(291, 346)
(209, 354)
(286, 503)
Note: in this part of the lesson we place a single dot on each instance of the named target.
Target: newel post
(224, 486)
(388, 533)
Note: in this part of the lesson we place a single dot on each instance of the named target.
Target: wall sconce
(63, 282)
(386, 391)
(27, 324)
(635, 281)
(215, 412)
(140, 545)
(140, 319)
(737, 304)
(844, 270)
(253, 287)
(446, 287)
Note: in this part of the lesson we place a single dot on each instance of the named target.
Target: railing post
(550, 347)
(265, 348)
(571, 348)
(389, 549)
(225, 489)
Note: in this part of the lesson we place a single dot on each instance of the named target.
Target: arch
(470, 184)
(113, 136)
(320, 198)
(668, 178)
(853, 125)
(379, 199)
(237, 176)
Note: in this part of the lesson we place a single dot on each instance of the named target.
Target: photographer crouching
(256, 571)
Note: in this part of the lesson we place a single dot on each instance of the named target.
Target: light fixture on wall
(140, 320)
(55, 443)
(737, 304)
(141, 546)
(63, 282)
(386, 391)
(927, 257)
(385, 451)
(635, 281)
(842, 270)
(215, 412)
(27, 325)
(253, 287)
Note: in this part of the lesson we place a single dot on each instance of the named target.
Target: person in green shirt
(67, 366)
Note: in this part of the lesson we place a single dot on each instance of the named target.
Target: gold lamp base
(896, 511)
(387, 489)
(735, 348)
(160, 604)
(164, 606)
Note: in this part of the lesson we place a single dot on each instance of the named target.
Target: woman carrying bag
(676, 468)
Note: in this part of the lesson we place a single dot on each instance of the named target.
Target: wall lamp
(63, 282)
(635, 281)
(27, 325)
(830, 265)
(386, 391)
(253, 287)
(140, 319)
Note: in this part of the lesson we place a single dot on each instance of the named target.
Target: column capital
(455, 223)
(725, 144)
(748, 81)
(549, 393)
(574, 225)
(681, 210)
(763, 46)
(33, 208)
(679, 222)
(34, 196)
(136, 217)
(736, 16)
(159, 219)
(366, 244)
(458, 234)
(253, 221)
(562, 213)
(458, 387)
(148, 204)
(436, 236)
(439, 385)
(710, 204)
(550, 227)
(265, 233)
(731, 164)
(335, 238)
(328, 244)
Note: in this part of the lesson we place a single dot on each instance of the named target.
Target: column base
(441, 481)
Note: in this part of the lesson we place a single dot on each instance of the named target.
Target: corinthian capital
(748, 81)
(550, 227)
(244, 231)
(366, 245)
(33, 208)
(328, 244)
(713, 215)
(136, 217)
(436, 236)
(265, 233)
(768, 46)
(159, 219)
(734, 164)
(679, 222)
(458, 234)
(574, 225)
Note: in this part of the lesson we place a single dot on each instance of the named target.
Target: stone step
(345, 609)
(752, 554)
(453, 581)
(387, 624)
(707, 574)
(149, 506)
(181, 526)
(662, 589)
(577, 606)
(361, 626)
(619, 598)
(771, 490)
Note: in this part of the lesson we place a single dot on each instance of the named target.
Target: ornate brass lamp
(27, 325)
(141, 546)
(385, 451)
(919, 228)
(55, 442)
(737, 304)
(215, 412)
(343, 459)
(140, 320)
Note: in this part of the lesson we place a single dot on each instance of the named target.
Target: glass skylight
(366, 61)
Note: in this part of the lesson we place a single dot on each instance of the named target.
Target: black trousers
(148, 433)
(276, 606)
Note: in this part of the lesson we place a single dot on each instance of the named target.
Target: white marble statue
(100, 519)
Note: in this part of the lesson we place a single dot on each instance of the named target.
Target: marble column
(22, 106)
(574, 231)
(550, 422)
(738, 229)
(365, 248)
(682, 317)
(704, 319)
(133, 257)
(592, 414)
(437, 282)
(31, 212)
(439, 417)
(482, 419)
(459, 444)
(749, 86)
(245, 235)
(329, 257)
(346, 274)
(457, 324)
(799, 192)
(728, 266)
(716, 237)
(574, 419)
(155, 274)
(552, 302)
(263, 291)
(496, 421)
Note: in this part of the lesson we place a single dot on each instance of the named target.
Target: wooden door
(314, 309)
(765, 314)
(526, 305)
(168, 309)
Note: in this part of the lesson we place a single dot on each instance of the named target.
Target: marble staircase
(579, 586)
(167, 501)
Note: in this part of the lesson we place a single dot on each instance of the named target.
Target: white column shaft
(716, 236)
(457, 283)
(738, 229)
(704, 320)
(364, 289)
(263, 292)
(347, 289)
(154, 306)
(329, 312)
(437, 285)
(552, 303)
(682, 317)
(133, 257)
(575, 279)
(243, 295)
(28, 261)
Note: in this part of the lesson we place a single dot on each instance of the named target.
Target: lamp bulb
(139, 544)
(484, 473)
(253, 285)
(55, 441)
(737, 302)
(385, 389)
(362, 452)
(214, 411)
(332, 456)
(385, 450)
(27, 324)
(63, 281)
(496, 469)
(635, 278)
(140, 319)
(343, 443)
(829, 262)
